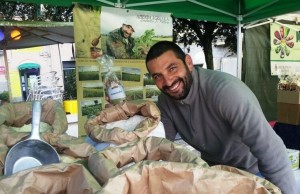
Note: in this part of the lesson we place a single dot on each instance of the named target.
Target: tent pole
(7, 73)
(239, 48)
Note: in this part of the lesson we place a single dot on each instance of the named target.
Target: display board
(99, 31)
(285, 49)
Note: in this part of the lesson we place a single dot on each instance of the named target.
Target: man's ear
(189, 62)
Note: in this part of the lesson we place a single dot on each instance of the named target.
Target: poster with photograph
(88, 73)
(285, 49)
(134, 93)
(90, 107)
(124, 34)
(132, 74)
(117, 70)
(87, 31)
(128, 34)
(92, 89)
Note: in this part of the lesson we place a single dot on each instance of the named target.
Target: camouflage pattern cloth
(96, 129)
(118, 46)
(19, 114)
(52, 178)
(16, 115)
(15, 119)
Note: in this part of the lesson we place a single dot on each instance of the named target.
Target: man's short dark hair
(163, 46)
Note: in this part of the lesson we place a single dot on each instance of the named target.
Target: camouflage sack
(113, 160)
(96, 127)
(15, 116)
(172, 177)
(53, 178)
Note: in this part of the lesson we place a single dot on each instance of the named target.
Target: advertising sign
(126, 36)
(2, 70)
(285, 49)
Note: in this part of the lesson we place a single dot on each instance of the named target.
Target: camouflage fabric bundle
(95, 127)
(19, 114)
(176, 178)
(157, 165)
(53, 178)
(113, 160)
(14, 116)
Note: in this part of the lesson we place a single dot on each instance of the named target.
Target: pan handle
(36, 117)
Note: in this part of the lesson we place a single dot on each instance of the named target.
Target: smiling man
(218, 115)
(120, 42)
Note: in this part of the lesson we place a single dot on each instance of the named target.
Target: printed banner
(141, 28)
(126, 35)
(285, 49)
(2, 70)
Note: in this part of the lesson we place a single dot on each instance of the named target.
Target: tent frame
(239, 19)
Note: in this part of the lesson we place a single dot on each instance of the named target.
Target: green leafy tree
(204, 33)
(70, 91)
(34, 12)
(4, 96)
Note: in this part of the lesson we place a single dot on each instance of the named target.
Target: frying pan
(31, 152)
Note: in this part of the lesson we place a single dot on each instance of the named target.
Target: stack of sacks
(157, 165)
(170, 177)
(15, 125)
(113, 160)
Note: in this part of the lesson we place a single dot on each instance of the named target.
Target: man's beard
(187, 81)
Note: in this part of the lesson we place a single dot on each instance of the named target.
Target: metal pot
(31, 152)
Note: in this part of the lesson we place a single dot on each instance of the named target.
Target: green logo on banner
(284, 41)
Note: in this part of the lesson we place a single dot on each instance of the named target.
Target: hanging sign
(129, 34)
(285, 49)
(2, 70)
(124, 34)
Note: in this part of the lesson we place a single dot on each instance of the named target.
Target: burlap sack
(14, 116)
(54, 178)
(154, 177)
(96, 130)
(267, 184)
(19, 114)
(109, 162)
(69, 145)
(157, 165)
